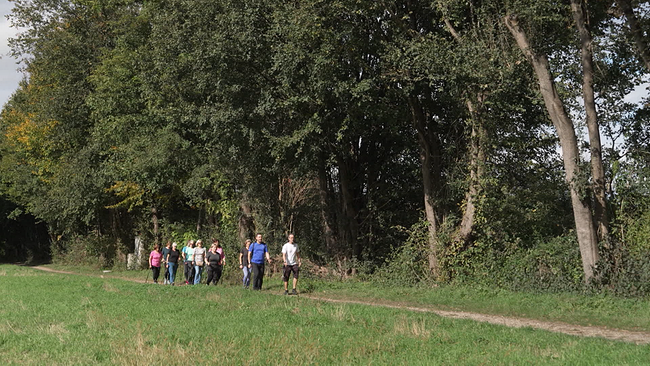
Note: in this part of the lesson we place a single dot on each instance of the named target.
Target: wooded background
(413, 141)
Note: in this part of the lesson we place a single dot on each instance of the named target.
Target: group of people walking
(195, 258)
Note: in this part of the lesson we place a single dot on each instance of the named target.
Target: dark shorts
(287, 272)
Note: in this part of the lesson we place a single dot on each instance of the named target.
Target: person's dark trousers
(189, 268)
(212, 275)
(155, 273)
(258, 275)
(219, 272)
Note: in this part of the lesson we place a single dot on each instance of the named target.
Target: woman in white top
(199, 261)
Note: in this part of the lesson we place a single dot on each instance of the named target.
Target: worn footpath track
(558, 327)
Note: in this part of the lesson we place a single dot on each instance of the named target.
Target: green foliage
(90, 250)
(550, 266)
(627, 274)
(214, 119)
(406, 265)
(638, 236)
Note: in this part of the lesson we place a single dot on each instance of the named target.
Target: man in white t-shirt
(292, 262)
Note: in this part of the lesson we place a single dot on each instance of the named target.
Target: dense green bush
(548, 265)
(407, 264)
(624, 270)
(90, 250)
(551, 265)
(637, 235)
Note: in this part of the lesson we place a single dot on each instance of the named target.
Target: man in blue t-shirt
(256, 253)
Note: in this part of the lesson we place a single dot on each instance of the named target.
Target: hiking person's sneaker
(286, 292)
(294, 292)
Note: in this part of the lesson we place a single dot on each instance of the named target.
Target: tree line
(459, 134)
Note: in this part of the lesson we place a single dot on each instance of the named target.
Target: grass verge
(50, 318)
(572, 308)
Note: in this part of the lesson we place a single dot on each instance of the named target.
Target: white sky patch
(9, 74)
(638, 94)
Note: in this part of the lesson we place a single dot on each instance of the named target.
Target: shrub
(91, 250)
(407, 265)
(551, 265)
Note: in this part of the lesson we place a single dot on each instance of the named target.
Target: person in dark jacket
(213, 258)
(172, 262)
(243, 263)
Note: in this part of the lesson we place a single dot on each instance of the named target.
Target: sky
(9, 76)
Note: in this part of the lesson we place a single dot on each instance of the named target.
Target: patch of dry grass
(110, 287)
(411, 328)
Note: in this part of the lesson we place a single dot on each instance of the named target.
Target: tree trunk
(198, 220)
(597, 170)
(635, 28)
(477, 159)
(325, 207)
(477, 169)
(154, 219)
(587, 239)
(350, 225)
(246, 223)
(282, 187)
(429, 183)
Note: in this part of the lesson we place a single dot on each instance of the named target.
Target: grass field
(49, 318)
(597, 310)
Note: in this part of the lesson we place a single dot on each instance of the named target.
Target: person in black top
(243, 263)
(172, 262)
(165, 253)
(212, 260)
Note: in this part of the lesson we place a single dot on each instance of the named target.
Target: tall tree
(585, 228)
(581, 17)
(640, 40)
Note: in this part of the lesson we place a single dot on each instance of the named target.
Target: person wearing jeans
(199, 255)
(188, 259)
(256, 253)
(243, 263)
(165, 253)
(172, 262)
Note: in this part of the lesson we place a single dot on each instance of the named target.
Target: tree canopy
(467, 134)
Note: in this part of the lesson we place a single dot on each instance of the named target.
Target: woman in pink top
(154, 262)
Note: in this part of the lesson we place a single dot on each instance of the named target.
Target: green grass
(598, 310)
(63, 319)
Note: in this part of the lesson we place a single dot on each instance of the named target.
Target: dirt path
(558, 327)
(45, 269)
